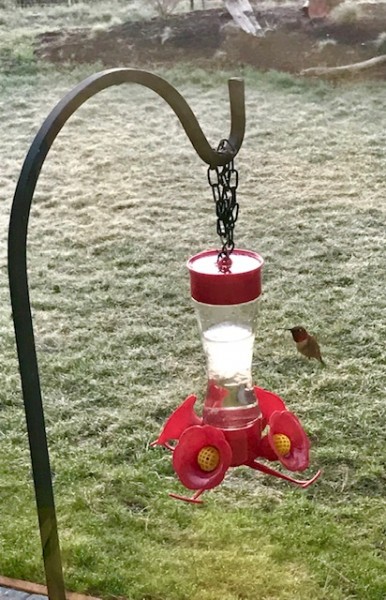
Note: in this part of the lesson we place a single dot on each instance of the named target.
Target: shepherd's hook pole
(18, 280)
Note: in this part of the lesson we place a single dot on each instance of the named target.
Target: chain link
(224, 181)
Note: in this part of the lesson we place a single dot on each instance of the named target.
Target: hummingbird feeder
(240, 422)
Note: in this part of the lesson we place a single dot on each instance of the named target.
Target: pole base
(28, 587)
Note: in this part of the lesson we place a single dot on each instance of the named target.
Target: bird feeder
(240, 422)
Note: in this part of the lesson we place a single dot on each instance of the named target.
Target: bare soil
(291, 43)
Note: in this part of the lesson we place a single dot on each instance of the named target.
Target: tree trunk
(243, 15)
(192, 4)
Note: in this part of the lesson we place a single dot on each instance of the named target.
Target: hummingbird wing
(314, 348)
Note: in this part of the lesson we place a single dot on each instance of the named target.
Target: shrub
(18, 60)
(164, 7)
(380, 43)
(347, 12)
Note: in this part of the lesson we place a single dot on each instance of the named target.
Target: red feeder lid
(240, 282)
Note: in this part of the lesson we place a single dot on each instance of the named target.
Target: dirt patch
(291, 43)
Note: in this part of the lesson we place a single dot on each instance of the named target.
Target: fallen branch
(344, 69)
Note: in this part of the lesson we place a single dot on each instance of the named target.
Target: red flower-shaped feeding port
(287, 438)
(202, 457)
(204, 453)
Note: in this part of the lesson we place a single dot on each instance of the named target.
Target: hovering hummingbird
(306, 343)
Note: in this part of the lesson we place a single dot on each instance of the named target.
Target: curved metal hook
(17, 268)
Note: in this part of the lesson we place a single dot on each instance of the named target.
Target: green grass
(121, 203)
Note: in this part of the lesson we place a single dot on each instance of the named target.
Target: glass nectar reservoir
(225, 293)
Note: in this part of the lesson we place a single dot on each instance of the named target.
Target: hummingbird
(306, 343)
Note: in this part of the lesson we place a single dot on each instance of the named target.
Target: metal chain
(224, 181)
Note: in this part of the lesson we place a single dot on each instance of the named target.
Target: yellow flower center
(208, 458)
(282, 444)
